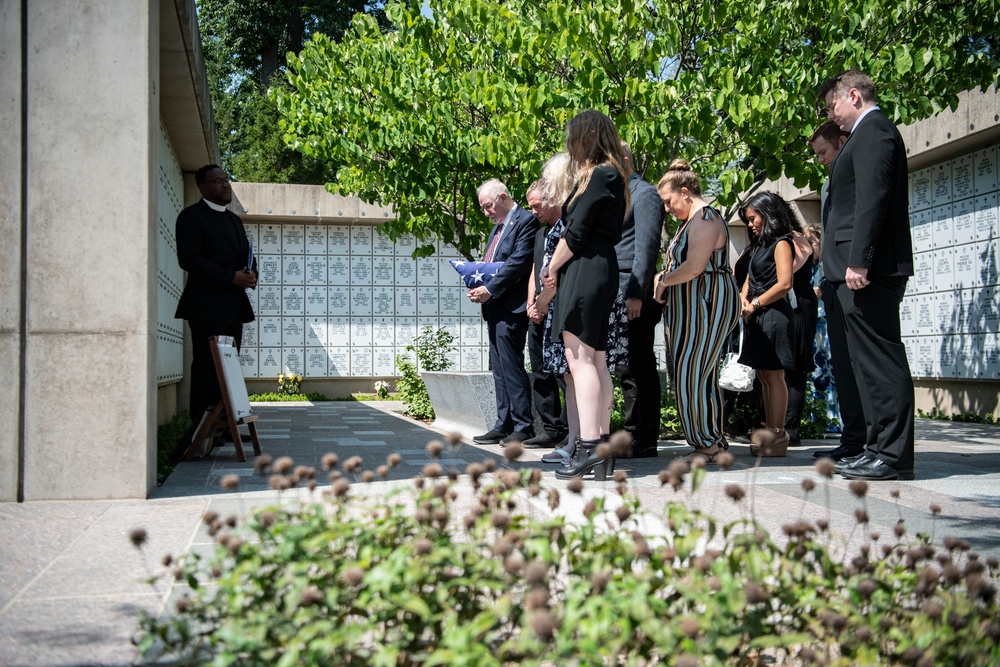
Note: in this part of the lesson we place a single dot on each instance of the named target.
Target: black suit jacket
(509, 287)
(212, 247)
(640, 244)
(868, 222)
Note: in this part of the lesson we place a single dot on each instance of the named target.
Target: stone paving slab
(71, 586)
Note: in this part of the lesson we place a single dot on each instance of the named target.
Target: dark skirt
(767, 338)
(588, 285)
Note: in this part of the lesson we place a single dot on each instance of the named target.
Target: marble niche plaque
(985, 170)
(293, 239)
(383, 268)
(338, 270)
(906, 321)
(454, 356)
(947, 356)
(293, 332)
(383, 301)
(361, 361)
(253, 234)
(405, 245)
(986, 217)
(924, 315)
(471, 358)
(361, 301)
(406, 271)
(361, 332)
(269, 362)
(269, 269)
(451, 325)
(361, 240)
(269, 300)
(270, 240)
(406, 331)
(249, 334)
(467, 307)
(945, 311)
(338, 332)
(943, 235)
(944, 269)
(425, 322)
(472, 331)
(427, 301)
(382, 245)
(991, 356)
(316, 366)
(923, 272)
(406, 301)
(406, 354)
(384, 332)
(315, 300)
(989, 309)
(316, 270)
(316, 332)
(922, 230)
(449, 301)
(338, 240)
(969, 361)
(339, 364)
(361, 270)
(427, 271)
(966, 266)
(385, 361)
(986, 255)
(963, 220)
(292, 359)
(293, 301)
(248, 361)
(941, 184)
(252, 297)
(269, 332)
(448, 274)
(338, 300)
(962, 180)
(925, 357)
(921, 184)
(967, 310)
(315, 239)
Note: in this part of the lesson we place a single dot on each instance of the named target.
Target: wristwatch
(755, 303)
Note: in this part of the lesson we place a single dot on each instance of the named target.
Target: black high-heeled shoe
(590, 461)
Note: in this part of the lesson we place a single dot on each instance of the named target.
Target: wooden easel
(225, 414)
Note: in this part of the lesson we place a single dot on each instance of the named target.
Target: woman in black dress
(585, 269)
(768, 330)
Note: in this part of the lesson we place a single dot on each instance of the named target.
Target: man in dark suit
(867, 257)
(637, 253)
(213, 248)
(504, 300)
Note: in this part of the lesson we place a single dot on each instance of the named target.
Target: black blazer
(509, 287)
(640, 244)
(868, 223)
(212, 247)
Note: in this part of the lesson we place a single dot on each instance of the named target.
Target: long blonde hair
(592, 140)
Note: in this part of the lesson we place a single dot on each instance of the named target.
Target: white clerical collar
(863, 114)
(214, 206)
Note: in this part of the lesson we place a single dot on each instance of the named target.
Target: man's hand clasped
(479, 295)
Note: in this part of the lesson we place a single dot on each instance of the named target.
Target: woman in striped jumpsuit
(702, 307)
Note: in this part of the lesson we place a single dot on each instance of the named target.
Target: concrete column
(91, 266)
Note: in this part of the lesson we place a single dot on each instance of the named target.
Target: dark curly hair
(779, 219)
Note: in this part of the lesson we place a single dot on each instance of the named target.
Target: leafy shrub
(290, 384)
(670, 424)
(431, 347)
(276, 397)
(168, 439)
(399, 579)
(967, 417)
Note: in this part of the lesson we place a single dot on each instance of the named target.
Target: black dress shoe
(876, 470)
(544, 440)
(491, 438)
(851, 461)
(517, 436)
(642, 451)
(841, 452)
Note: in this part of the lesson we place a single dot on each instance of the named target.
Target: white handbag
(735, 376)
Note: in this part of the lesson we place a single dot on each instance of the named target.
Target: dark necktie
(488, 257)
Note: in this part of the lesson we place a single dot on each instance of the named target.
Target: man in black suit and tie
(213, 248)
(637, 253)
(504, 300)
(867, 257)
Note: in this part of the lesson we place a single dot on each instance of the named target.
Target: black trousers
(545, 387)
(205, 390)
(508, 334)
(641, 378)
(865, 324)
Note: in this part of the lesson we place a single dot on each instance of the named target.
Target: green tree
(420, 115)
(245, 44)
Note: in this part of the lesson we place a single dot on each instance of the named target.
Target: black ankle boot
(590, 462)
(577, 456)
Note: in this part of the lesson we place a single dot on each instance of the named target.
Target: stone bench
(464, 402)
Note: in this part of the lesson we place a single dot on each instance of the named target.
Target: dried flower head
(279, 482)
(553, 499)
(382, 471)
(935, 509)
(689, 626)
(589, 508)
(167, 560)
(866, 588)
(422, 546)
(860, 515)
(544, 624)
(623, 513)
(725, 460)
(735, 492)
(575, 485)
(311, 595)
(340, 487)
(621, 476)
(754, 593)
(283, 465)
(435, 447)
(894, 494)
(503, 546)
(899, 529)
(620, 443)
(512, 451)
(822, 524)
(808, 485)
(536, 572)
(352, 464)
(137, 536)
(231, 521)
(599, 581)
(367, 476)
(432, 470)
(858, 487)
(353, 576)
(490, 465)
(182, 604)
(262, 463)
(210, 517)
(304, 473)
(688, 660)
(825, 467)
(393, 459)
(500, 519)
(329, 461)
(453, 438)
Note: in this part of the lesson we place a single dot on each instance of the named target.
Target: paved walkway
(71, 586)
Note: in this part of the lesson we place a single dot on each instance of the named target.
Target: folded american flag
(475, 274)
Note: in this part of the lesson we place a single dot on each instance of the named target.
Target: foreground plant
(399, 579)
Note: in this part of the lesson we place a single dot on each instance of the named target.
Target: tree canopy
(419, 115)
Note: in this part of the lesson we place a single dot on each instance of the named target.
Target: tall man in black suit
(867, 256)
(637, 253)
(504, 300)
(213, 248)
